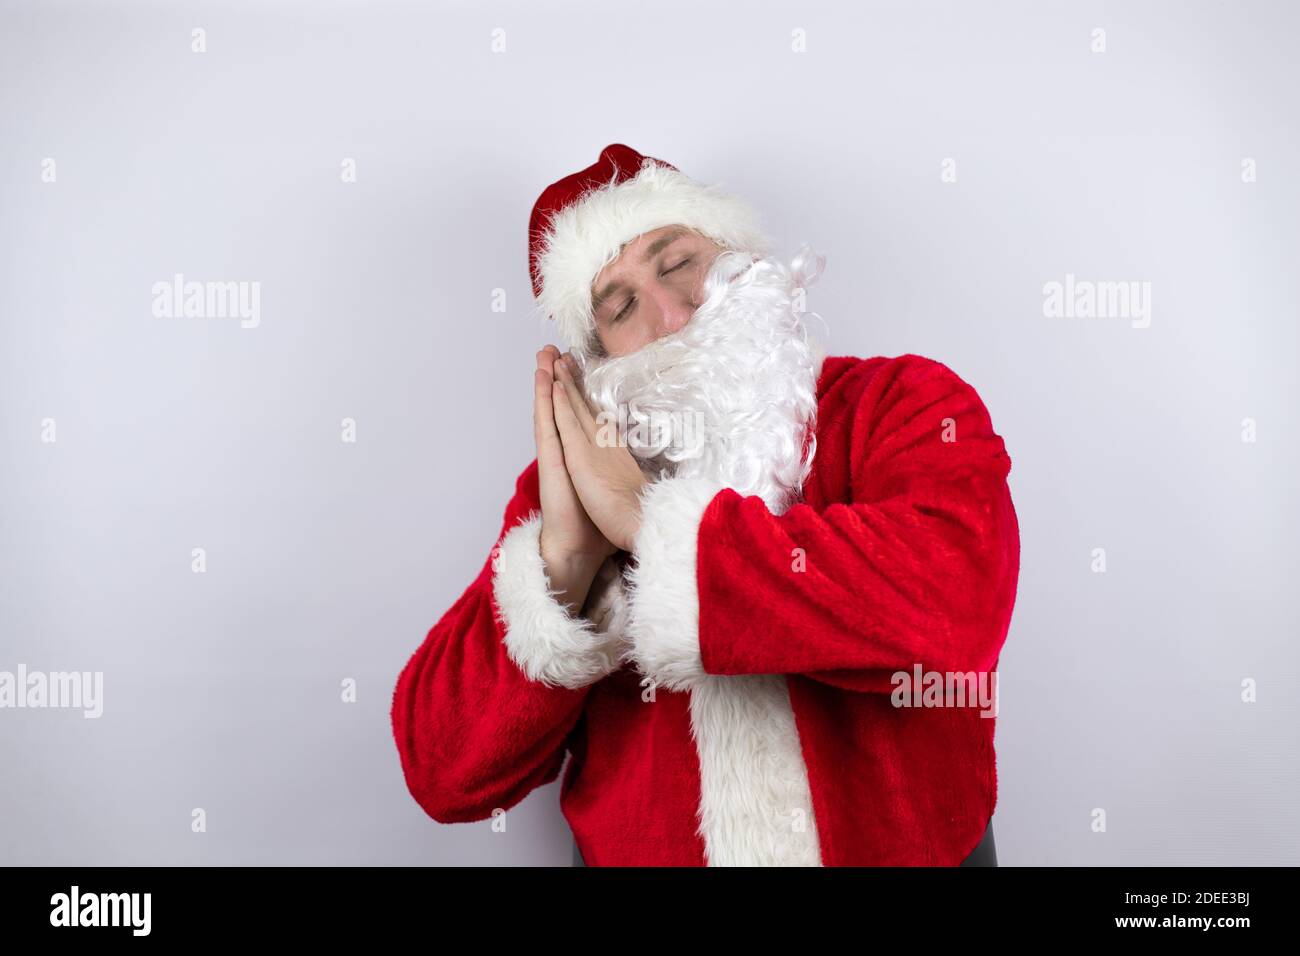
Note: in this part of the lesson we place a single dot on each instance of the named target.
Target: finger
(569, 365)
(553, 470)
(546, 359)
(576, 399)
(549, 448)
(572, 436)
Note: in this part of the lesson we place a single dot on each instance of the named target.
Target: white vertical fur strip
(755, 804)
(663, 599)
(546, 642)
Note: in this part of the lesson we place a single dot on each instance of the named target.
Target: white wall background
(328, 560)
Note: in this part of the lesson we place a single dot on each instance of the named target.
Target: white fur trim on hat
(587, 235)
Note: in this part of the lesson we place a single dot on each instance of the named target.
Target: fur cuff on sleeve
(548, 643)
(663, 626)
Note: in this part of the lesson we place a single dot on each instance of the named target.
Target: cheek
(697, 282)
(699, 270)
(628, 337)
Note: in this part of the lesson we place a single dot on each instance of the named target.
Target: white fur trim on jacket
(548, 643)
(587, 235)
(755, 800)
(663, 628)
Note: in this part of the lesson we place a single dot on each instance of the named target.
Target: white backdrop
(951, 160)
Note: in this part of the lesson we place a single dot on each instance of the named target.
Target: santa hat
(581, 223)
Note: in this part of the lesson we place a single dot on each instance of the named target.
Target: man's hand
(607, 478)
(573, 548)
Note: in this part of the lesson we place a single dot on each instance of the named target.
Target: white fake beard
(732, 395)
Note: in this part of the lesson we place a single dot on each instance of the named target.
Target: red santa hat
(581, 223)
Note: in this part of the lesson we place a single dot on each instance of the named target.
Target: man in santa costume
(727, 550)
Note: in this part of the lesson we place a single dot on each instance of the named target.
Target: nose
(674, 310)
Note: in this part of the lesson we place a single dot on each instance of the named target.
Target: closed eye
(623, 312)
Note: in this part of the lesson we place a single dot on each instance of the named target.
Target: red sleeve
(482, 710)
(917, 564)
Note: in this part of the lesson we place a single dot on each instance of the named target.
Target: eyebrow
(651, 251)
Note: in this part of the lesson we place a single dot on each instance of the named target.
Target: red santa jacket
(731, 698)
